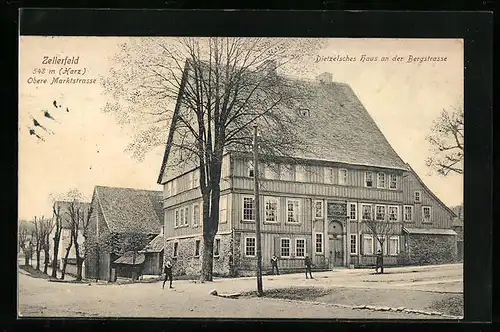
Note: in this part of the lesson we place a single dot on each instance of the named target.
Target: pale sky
(87, 147)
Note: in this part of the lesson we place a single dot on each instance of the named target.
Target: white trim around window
(429, 220)
(318, 203)
(355, 237)
(362, 211)
(350, 210)
(367, 237)
(389, 208)
(216, 243)
(296, 214)
(246, 246)
(369, 175)
(381, 180)
(289, 247)
(196, 214)
(376, 212)
(394, 239)
(304, 253)
(320, 237)
(405, 215)
(417, 196)
(343, 176)
(393, 181)
(244, 216)
(271, 200)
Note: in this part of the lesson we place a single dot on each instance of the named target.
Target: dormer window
(305, 112)
(369, 179)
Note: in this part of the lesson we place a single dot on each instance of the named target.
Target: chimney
(324, 78)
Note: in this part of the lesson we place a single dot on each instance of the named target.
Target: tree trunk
(207, 258)
(38, 251)
(57, 238)
(382, 257)
(65, 262)
(77, 253)
(46, 260)
(79, 268)
(26, 259)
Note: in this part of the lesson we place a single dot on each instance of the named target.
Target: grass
(454, 305)
(293, 293)
(34, 272)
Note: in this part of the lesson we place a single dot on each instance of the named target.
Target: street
(410, 287)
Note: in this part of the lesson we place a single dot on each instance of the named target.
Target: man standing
(378, 264)
(168, 273)
(274, 264)
(308, 264)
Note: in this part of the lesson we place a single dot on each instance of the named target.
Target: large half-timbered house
(316, 204)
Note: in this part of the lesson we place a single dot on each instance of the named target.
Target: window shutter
(277, 249)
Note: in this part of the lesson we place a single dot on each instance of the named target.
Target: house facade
(317, 204)
(117, 211)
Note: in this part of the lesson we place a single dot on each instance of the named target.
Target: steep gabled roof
(127, 209)
(431, 193)
(337, 128)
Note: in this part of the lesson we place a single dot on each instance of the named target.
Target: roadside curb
(378, 308)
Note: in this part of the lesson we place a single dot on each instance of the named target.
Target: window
(342, 176)
(318, 209)
(381, 180)
(394, 245)
(353, 212)
(286, 172)
(250, 169)
(176, 245)
(426, 214)
(418, 196)
(186, 216)
(197, 248)
(354, 244)
(216, 247)
(408, 213)
(319, 243)
(271, 172)
(293, 213)
(250, 246)
(196, 178)
(366, 211)
(393, 181)
(369, 179)
(300, 173)
(393, 213)
(329, 175)
(176, 218)
(285, 248)
(223, 210)
(300, 248)
(380, 212)
(368, 245)
(181, 220)
(271, 204)
(248, 209)
(196, 214)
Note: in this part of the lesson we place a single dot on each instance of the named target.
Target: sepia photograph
(240, 177)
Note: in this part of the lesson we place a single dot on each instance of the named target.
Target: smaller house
(153, 256)
(116, 212)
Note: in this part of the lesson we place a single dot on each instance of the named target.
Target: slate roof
(127, 209)
(338, 128)
(128, 259)
(156, 245)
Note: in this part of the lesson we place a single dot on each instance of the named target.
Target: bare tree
(46, 226)
(381, 230)
(81, 224)
(58, 224)
(23, 239)
(447, 142)
(221, 87)
(38, 240)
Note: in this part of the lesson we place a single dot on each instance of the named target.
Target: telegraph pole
(257, 211)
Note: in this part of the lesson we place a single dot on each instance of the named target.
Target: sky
(87, 145)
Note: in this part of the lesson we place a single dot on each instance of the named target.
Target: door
(336, 256)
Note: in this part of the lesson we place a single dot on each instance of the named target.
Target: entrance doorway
(336, 245)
